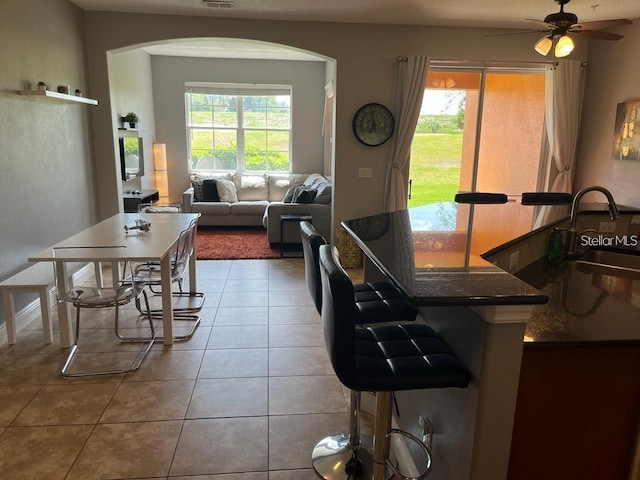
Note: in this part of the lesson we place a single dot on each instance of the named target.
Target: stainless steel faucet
(572, 235)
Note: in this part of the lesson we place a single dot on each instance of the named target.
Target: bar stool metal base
(334, 458)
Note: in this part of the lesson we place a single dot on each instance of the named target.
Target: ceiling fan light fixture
(543, 46)
(564, 46)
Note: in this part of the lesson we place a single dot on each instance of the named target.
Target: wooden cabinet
(577, 414)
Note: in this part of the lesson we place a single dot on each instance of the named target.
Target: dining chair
(93, 297)
(150, 274)
(159, 207)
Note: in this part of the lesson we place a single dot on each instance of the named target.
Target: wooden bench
(37, 278)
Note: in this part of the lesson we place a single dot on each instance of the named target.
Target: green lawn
(435, 167)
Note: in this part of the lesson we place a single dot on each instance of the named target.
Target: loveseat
(256, 199)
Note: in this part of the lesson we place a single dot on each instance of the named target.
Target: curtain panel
(410, 85)
(564, 87)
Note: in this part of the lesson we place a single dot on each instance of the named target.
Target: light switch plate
(365, 172)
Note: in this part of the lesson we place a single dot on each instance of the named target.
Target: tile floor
(245, 399)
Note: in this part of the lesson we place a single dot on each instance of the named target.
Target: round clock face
(373, 124)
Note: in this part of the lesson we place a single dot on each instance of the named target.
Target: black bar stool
(376, 301)
(381, 359)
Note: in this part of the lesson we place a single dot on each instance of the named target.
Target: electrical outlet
(514, 259)
(607, 227)
(365, 172)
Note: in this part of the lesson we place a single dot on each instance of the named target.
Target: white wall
(612, 78)
(47, 180)
(171, 73)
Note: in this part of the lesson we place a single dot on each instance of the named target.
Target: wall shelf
(59, 96)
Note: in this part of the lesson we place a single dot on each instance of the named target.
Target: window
(238, 127)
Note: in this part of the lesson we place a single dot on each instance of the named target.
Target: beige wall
(47, 181)
(612, 78)
(365, 56)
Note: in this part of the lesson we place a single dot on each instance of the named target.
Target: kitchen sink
(612, 263)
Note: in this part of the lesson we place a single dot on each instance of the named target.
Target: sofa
(257, 199)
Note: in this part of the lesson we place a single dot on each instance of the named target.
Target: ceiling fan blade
(599, 35)
(602, 24)
(550, 25)
(516, 33)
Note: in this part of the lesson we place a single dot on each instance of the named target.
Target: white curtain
(564, 86)
(412, 74)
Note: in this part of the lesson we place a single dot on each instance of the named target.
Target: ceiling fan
(557, 26)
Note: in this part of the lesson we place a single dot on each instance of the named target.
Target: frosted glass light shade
(159, 156)
(543, 46)
(564, 46)
(160, 169)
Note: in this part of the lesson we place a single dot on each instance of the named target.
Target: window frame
(238, 90)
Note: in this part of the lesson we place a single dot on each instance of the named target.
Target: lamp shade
(543, 46)
(159, 156)
(564, 46)
(160, 169)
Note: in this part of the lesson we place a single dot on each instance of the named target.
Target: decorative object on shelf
(130, 118)
(373, 124)
(141, 225)
(63, 89)
(160, 169)
(78, 92)
(42, 87)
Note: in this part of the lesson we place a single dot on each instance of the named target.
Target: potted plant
(131, 118)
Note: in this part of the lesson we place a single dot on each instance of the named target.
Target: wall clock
(373, 124)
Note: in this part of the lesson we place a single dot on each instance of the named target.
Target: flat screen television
(131, 157)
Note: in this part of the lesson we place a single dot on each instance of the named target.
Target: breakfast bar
(493, 305)
(481, 311)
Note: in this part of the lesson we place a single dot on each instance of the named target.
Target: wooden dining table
(155, 245)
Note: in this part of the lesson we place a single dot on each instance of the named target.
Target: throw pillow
(303, 194)
(198, 190)
(210, 190)
(227, 191)
(323, 194)
(288, 197)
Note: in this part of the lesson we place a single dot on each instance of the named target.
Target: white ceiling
(510, 14)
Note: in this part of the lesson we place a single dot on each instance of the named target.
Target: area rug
(230, 243)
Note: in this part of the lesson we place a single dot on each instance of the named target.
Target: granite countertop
(436, 267)
(583, 308)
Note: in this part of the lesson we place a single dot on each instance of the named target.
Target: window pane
(254, 117)
(226, 115)
(278, 140)
(200, 109)
(278, 117)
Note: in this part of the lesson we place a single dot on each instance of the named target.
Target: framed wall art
(626, 136)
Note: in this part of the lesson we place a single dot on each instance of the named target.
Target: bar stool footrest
(420, 445)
